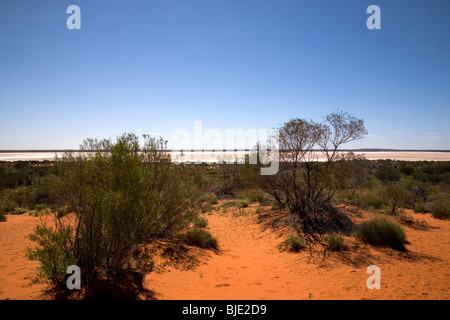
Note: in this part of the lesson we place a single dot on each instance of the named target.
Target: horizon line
(233, 150)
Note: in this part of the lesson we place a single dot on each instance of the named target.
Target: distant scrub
(2, 216)
(200, 238)
(382, 232)
(388, 174)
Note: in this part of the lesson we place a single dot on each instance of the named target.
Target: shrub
(370, 199)
(305, 185)
(382, 232)
(295, 243)
(20, 210)
(243, 203)
(336, 242)
(119, 195)
(200, 222)
(209, 198)
(200, 238)
(396, 196)
(419, 207)
(9, 206)
(206, 207)
(441, 209)
(388, 174)
(254, 195)
(2, 216)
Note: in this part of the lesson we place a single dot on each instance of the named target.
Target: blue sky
(155, 66)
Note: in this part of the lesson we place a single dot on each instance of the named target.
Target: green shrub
(2, 216)
(200, 238)
(295, 243)
(8, 206)
(39, 207)
(228, 204)
(200, 222)
(254, 195)
(370, 198)
(209, 198)
(20, 210)
(40, 210)
(382, 232)
(126, 194)
(388, 174)
(243, 203)
(206, 207)
(441, 209)
(419, 207)
(336, 242)
(396, 196)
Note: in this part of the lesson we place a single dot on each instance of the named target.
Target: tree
(119, 195)
(304, 183)
(396, 196)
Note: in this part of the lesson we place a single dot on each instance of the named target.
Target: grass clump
(382, 232)
(209, 198)
(200, 238)
(336, 242)
(295, 243)
(254, 195)
(370, 199)
(441, 209)
(200, 222)
(20, 210)
(243, 203)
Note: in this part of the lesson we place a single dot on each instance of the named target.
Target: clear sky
(155, 66)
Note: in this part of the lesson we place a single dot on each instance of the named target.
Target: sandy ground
(16, 271)
(250, 264)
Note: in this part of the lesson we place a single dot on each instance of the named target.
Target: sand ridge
(250, 264)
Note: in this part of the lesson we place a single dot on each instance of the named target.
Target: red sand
(250, 265)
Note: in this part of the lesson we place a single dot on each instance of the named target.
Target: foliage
(120, 195)
(200, 222)
(209, 197)
(382, 232)
(243, 203)
(254, 195)
(388, 174)
(441, 209)
(295, 243)
(396, 196)
(305, 185)
(336, 242)
(200, 238)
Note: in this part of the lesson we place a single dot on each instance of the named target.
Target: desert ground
(252, 264)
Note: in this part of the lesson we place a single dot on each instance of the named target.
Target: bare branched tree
(312, 170)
